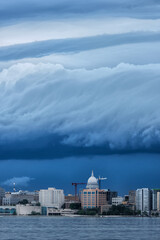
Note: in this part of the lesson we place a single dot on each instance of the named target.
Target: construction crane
(99, 181)
(76, 184)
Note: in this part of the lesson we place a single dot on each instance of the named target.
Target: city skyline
(121, 180)
(92, 197)
(91, 200)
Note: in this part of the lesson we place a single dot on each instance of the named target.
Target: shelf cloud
(117, 108)
(68, 88)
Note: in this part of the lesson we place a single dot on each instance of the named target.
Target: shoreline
(84, 216)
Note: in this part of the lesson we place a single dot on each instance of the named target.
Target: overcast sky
(78, 80)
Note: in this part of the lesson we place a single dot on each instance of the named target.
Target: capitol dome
(92, 182)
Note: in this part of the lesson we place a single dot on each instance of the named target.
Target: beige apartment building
(92, 196)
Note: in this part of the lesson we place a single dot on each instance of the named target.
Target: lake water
(57, 228)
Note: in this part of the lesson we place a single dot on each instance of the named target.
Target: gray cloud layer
(39, 49)
(19, 181)
(15, 10)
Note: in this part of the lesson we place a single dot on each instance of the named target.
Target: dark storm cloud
(14, 10)
(50, 110)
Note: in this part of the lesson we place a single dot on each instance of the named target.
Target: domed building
(92, 196)
(92, 182)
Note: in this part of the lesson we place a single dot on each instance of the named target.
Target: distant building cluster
(52, 201)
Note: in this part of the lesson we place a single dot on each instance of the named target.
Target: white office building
(27, 209)
(158, 201)
(51, 197)
(143, 200)
(117, 201)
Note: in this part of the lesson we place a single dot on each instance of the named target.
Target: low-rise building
(105, 208)
(16, 197)
(117, 201)
(7, 210)
(67, 212)
(51, 211)
(28, 210)
(70, 199)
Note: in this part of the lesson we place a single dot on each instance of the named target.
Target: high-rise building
(143, 200)
(92, 196)
(132, 197)
(110, 195)
(154, 199)
(51, 197)
(158, 201)
(2, 195)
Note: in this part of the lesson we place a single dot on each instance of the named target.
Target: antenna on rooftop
(14, 187)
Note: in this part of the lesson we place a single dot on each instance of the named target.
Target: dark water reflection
(57, 228)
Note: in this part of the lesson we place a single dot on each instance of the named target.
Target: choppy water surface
(57, 228)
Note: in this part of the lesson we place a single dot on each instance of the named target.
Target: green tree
(120, 210)
(35, 213)
(89, 211)
(156, 214)
(23, 202)
(75, 206)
